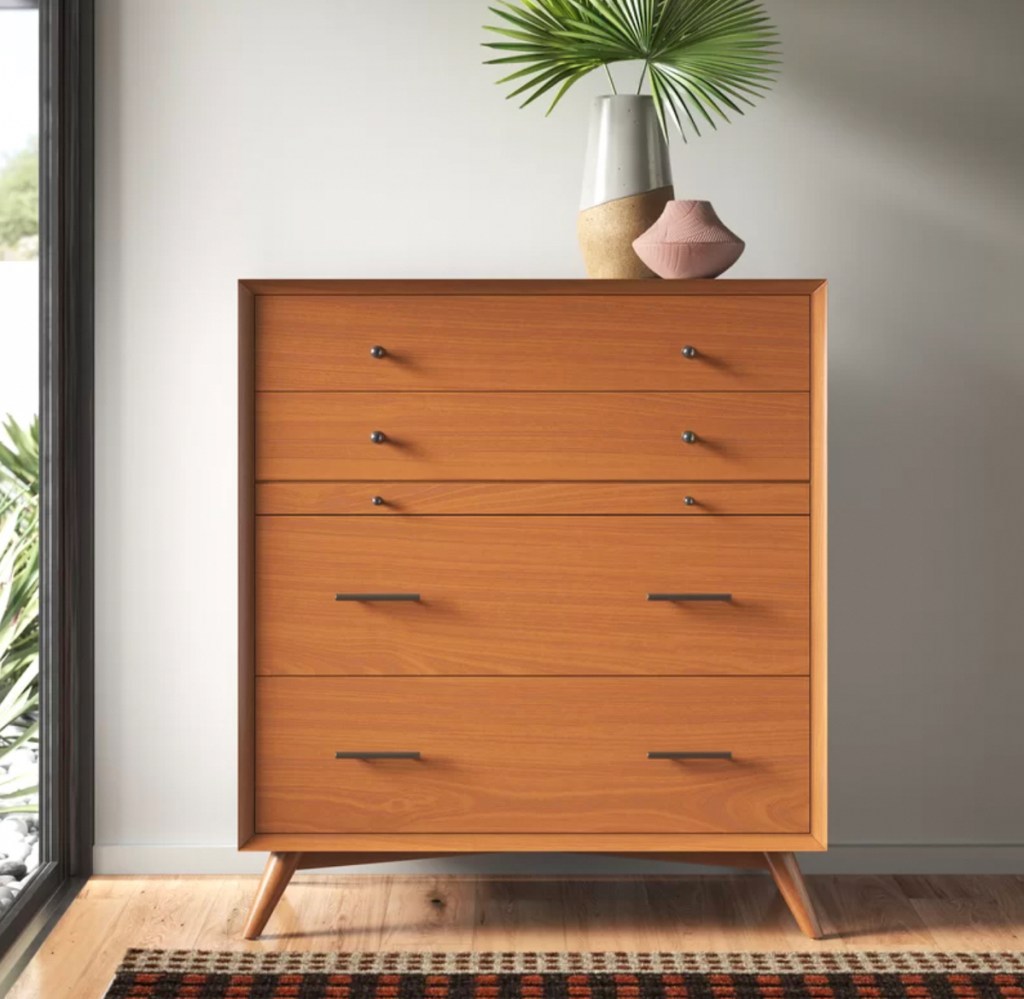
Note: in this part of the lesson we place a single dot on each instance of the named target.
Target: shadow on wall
(927, 408)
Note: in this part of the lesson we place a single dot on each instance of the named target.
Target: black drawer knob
(378, 352)
(689, 500)
(689, 351)
(689, 437)
(377, 500)
(378, 437)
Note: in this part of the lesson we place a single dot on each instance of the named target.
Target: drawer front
(531, 435)
(532, 755)
(532, 595)
(512, 342)
(388, 498)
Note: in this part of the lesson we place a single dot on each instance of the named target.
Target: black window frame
(66, 370)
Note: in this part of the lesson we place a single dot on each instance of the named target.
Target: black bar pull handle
(689, 597)
(343, 754)
(656, 754)
(366, 598)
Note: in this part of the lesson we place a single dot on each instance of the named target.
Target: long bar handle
(655, 754)
(342, 754)
(687, 597)
(366, 598)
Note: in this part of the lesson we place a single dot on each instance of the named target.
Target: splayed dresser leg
(276, 875)
(792, 887)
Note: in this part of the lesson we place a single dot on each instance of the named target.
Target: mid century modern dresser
(531, 566)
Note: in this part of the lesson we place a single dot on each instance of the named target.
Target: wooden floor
(364, 913)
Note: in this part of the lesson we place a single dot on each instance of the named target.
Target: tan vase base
(607, 232)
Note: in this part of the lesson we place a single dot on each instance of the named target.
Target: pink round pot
(689, 241)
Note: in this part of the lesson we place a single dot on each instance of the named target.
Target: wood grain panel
(532, 755)
(456, 843)
(543, 595)
(356, 498)
(531, 435)
(570, 343)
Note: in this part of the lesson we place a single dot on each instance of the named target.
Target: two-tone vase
(627, 181)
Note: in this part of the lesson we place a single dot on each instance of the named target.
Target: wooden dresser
(532, 566)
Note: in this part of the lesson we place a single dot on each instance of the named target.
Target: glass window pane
(19, 451)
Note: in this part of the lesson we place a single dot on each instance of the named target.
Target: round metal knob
(377, 500)
(377, 352)
(378, 437)
(689, 436)
(689, 500)
(689, 351)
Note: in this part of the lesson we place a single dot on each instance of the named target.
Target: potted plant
(700, 60)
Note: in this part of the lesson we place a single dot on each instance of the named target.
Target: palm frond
(19, 611)
(703, 59)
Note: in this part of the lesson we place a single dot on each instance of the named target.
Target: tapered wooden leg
(276, 875)
(790, 882)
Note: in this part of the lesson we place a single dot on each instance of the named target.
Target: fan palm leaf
(19, 612)
(703, 59)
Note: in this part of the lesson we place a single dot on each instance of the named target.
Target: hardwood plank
(318, 436)
(523, 595)
(713, 913)
(964, 913)
(434, 907)
(563, 498)
(520, 914)
(78, 952)
(873, 909)
(597, 914)
(500, 343)
(166, 918)
(221, 926)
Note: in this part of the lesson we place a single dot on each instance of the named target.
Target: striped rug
(161, 974)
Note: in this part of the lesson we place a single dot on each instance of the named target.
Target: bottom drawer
(524, 754)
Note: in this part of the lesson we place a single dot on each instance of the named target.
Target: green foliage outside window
(19, 615)
(19, 205)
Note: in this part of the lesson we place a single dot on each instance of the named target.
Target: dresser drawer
(532, 435)
(520, 342)
(389, 498)
(532, 755)
(537, 594)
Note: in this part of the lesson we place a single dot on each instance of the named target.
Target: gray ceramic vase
(627, 181)
(689, 241)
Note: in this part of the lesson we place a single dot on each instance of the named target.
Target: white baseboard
(841, 859)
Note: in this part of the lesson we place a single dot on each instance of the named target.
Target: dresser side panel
(246, 562)
(819, 565)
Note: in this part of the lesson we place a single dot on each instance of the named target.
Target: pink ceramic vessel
(689, 241)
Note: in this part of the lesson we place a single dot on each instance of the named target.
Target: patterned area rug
(154, 974)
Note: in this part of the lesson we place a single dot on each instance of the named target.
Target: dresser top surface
(264, 286)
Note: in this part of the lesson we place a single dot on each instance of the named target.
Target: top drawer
(561, 343)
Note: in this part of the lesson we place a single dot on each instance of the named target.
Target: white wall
(335, 138)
